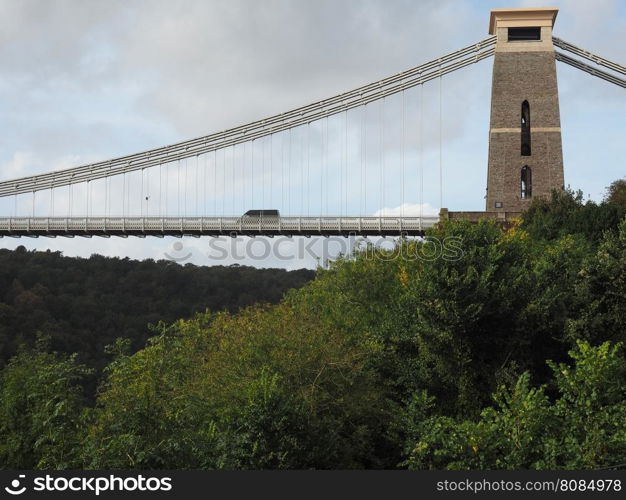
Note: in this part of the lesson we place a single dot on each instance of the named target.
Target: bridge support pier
(503, 218)
(525, 156)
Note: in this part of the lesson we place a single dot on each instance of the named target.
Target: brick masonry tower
(525, 155)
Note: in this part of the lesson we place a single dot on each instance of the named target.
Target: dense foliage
(481, 347)
(41, 407)
(83, 305)
(581, 428)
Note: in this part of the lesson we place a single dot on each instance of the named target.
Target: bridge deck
(213, 226)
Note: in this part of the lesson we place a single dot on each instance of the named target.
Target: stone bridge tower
(525, 155)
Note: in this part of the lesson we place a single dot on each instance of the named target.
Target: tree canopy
(82, 305)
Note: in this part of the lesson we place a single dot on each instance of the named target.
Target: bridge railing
(107, 226)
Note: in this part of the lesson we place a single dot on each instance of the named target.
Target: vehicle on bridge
(261, 214)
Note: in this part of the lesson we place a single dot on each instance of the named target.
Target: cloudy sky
(86, 80)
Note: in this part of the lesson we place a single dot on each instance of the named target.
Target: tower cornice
(522, 17)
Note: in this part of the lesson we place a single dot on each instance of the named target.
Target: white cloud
(19, 165)
(408, 210)
(24, 163)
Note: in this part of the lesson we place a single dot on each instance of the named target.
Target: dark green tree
(41, 409)
(602, 291)
(583, 428)
(616, 193)
(566, 213)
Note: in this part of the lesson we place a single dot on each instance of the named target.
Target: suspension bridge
(326, 168)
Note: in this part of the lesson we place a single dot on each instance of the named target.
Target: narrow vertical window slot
(525, 129)
(526, 183)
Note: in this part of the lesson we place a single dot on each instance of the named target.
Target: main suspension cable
(260, 128)
(589, 69)
(601, 61)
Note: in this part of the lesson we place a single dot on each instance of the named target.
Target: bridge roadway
(213, 226)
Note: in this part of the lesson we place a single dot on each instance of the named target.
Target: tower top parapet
(522, 17)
